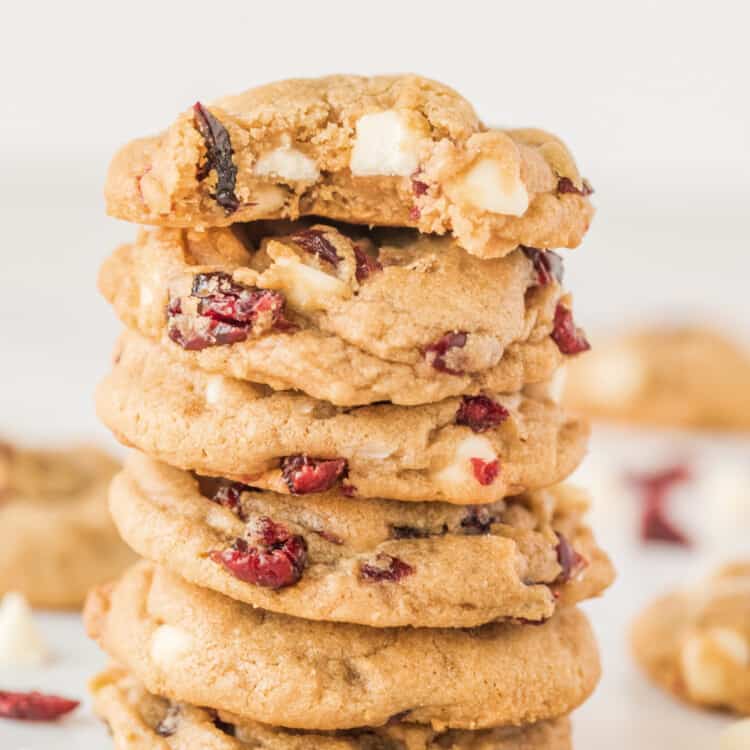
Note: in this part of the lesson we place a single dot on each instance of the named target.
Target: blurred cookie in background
(58, 538)
(681, 377)
(695, 643)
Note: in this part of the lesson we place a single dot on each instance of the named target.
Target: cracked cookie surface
(195, 645)
(343, 314)
(387, 150)
(457, 450)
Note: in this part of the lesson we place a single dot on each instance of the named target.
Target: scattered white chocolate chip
(214, 389)
(732, 644)
(20, 642)
(493, 186)
(154, 194)
(613, 374)
(170, 644)
(556, 384)
(704, 675)
(736, 736)
(288, 163)
(374, 452)
(460, 469)
(384, 145)
(146, 295)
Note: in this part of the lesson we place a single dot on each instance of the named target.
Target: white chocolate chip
(146, 295)
(732, 644)
(736, 736)
(214, 389)
(374, 452)
(154, 194)
(460, 469)
(493, 186)
(287, 163)
(556, 384)
(20, 642)
(704, 674)
(170, 644)
(384, 145)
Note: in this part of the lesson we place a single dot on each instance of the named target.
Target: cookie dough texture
(696, 643)
(353, 341)
(222, 427)
(463, 576)
(194, 645)
(58, 538)
(140, 720)
(386, 150)
(685, 377)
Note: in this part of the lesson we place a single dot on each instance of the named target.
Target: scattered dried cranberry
(415, 214)
(366, 264)
(437, 351)
(348, 490)
(315, 242)
(304, 475)
(34, 706)
(219, 153)
(548, 265)
(570, 561)
(655, 488)
(480, 413)
(569, 338)
(224, 492)
(485, 471)
(385, 568)
(478, 520)
(276, 558)
(225, 312)
(418, 187)
(566, 185)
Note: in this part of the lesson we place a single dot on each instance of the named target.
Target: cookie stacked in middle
(347, 485)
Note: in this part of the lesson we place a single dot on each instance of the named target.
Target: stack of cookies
(339, 373)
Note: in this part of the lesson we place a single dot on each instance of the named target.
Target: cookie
(345, 315)
(194, 645)
(387, 151)
(671, 377)
(471, 450)
(58, 538)
(140, 720)
(374, 562)
(696, 643)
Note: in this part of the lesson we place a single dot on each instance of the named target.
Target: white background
(652, 97)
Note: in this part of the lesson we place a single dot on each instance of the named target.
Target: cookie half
(194, 645)
(380, 563)
(58, 538)
(140, 720)
(696, 643)
(460, 450)
(387, 150)
(343, 314)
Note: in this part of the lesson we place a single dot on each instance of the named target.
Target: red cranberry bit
(224, 492)
(570, 561)
(655, 488)
(275, 560)
(480, 413)
(418, 187)
(366, 264)
(478, 520)
(566, 185)
(385, 568)
(34, 706)
(348, 490)
(569, 338)
(315, 242)
(219, 153)
(415, 214)
(437, 351)
(304, 475)
(548, 265)
(485, 472)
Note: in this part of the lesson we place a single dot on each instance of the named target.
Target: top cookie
(386, 150)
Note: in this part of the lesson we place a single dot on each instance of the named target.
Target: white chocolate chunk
(20, 642)
(736, 736)
(732, 644)
(384, 145)
(214, 389)
(493, 186)
(374, 452)
(460, 469)
(704, 674)
(146, 295)
(170, 644)
(556, 384)
(287, 163)
(154, 194)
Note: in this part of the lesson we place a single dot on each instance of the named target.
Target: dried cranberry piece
(437, 351)
(569, 338)
(219, 153)
(315, 242)
(304, 475)
(224, 492)
(366, 264)
(385, 568)
(655, 488)
(276, 558)
(480, 413)
(415, 213)
(478, 520)
(485, 472)
(548, 265)
(566, 185)
(194, 334)
(570, 561)
(34, 706)
(418, 187)
(348, 490)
